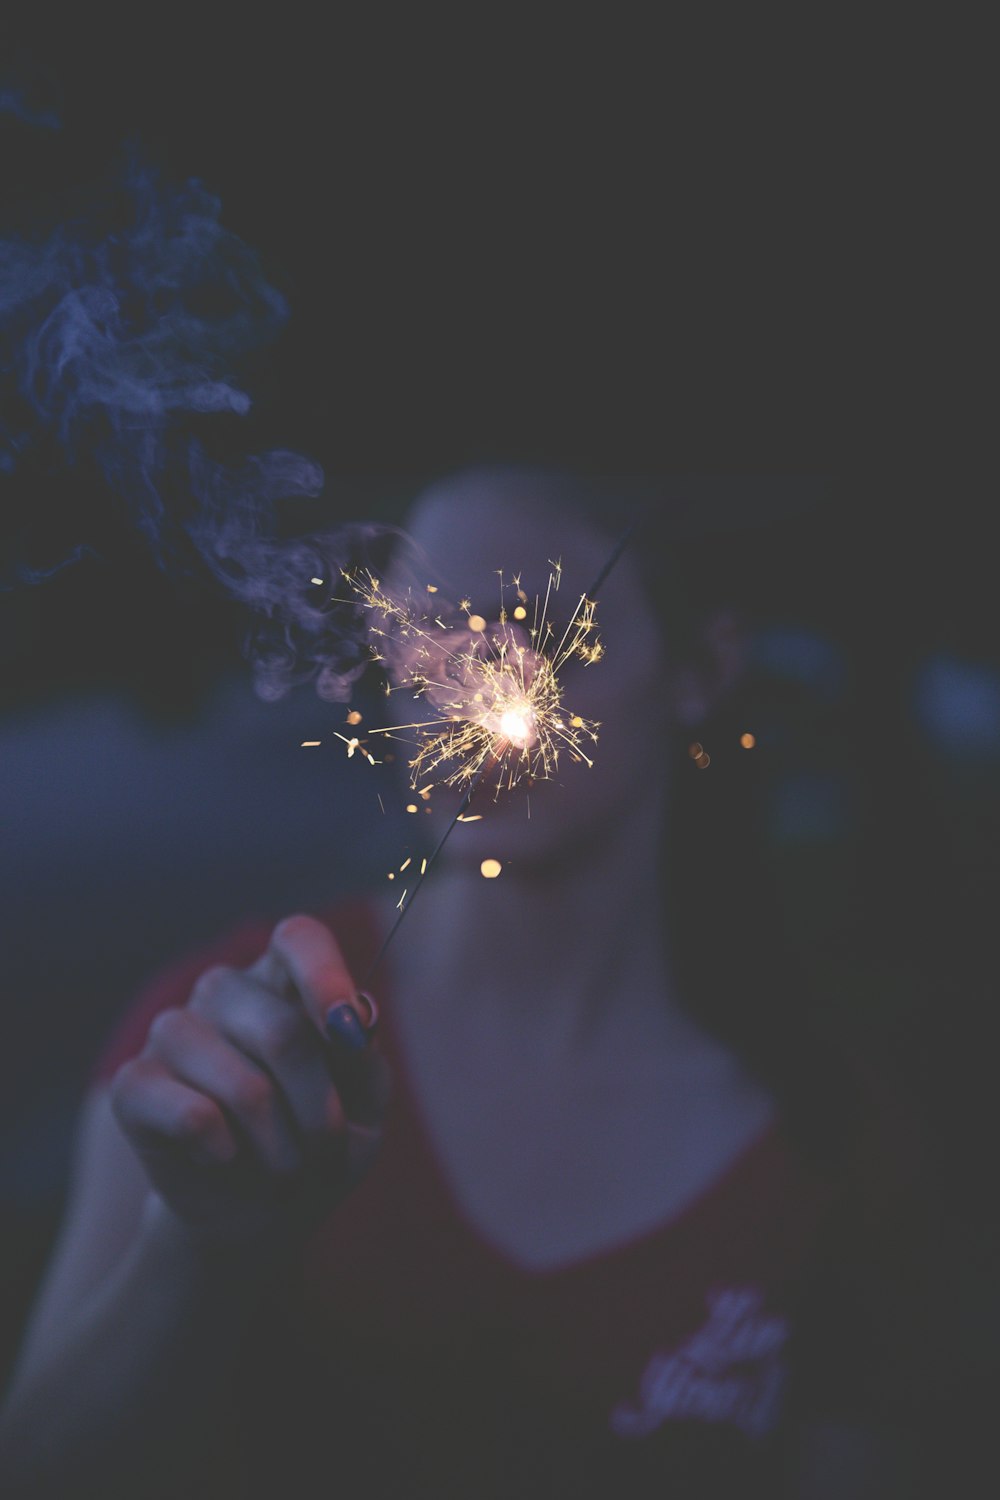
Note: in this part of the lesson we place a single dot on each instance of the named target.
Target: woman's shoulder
(351, 919)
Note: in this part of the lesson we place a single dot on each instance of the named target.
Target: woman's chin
(517, 831)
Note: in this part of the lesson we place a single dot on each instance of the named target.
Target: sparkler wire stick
(615, 554)
(470, 792)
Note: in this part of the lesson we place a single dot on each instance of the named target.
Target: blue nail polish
(344, 1028)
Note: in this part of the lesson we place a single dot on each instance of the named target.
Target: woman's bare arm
(196, 1174)
(132, 1333)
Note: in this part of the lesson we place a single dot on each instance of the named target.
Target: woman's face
(468, 533)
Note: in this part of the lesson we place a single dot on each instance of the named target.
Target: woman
(566, 1252)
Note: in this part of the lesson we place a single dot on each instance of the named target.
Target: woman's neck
(573, 949)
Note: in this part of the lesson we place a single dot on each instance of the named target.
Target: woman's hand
(256, 1107)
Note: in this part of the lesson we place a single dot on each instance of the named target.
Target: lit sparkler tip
(492, 693)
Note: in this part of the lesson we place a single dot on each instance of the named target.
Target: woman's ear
(702, 682)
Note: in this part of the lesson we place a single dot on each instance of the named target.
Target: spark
(354, 744)
(492, 691)
(408, 860)
(748, 740)
(399, 903)
(490, 869)
(309, 744)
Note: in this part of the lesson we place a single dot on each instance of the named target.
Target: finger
(304, 955)
(280, 1038)
(195, 1053)
(155, 1109)
(304, 951)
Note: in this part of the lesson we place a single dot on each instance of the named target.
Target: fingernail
(369, 1001)
(343, 1027)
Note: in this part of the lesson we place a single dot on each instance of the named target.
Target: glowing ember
(748, 741)
(515, 724)
(490, 869)
(355, 744)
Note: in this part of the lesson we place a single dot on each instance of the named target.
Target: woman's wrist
(204, 1260)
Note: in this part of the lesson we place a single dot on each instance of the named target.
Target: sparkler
(500, 703)
(493, 692)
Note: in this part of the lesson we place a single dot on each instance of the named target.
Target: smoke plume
(123, 329)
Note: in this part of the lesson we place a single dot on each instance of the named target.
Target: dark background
(505, 243)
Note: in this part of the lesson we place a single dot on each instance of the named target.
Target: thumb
(303, 956)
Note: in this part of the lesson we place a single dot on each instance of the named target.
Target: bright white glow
(515, 725)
